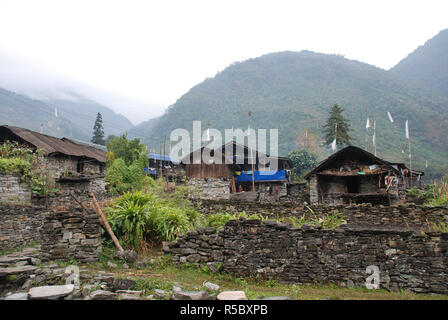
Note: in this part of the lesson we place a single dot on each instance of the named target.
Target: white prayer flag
(426, 164)
(390, 117)
(368, 123)
(55, 112)
(407, 129)
(333, 145)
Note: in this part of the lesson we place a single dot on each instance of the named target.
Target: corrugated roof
(52, 145)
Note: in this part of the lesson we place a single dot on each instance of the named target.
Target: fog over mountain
(25, 76)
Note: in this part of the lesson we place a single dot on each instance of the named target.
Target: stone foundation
(13, 190)
(209, 188)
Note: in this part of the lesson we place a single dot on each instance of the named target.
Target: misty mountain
(143, 130)
(19, 110)
(61, 118)
(83, 112)
(428, 64)
(291, 91)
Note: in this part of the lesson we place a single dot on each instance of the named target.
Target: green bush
(141, 216)
(420, 196)
(121, 177)
(15, 165)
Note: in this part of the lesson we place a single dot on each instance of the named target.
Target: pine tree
(343, 127)
(98, 131)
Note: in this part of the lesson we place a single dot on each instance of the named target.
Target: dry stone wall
(20, 225)
(405, 259)
(399, 216)
(63, 235)
(71, 234)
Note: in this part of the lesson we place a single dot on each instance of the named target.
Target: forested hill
(291, 91)
(71, 119)
(428, 64)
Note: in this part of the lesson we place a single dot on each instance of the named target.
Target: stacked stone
(210, 188)
(71, 235)
(198, 246)
(405, 259)
(13, 190)
(405, 216)
(20, 225)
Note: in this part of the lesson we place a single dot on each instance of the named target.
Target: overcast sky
(153, 52)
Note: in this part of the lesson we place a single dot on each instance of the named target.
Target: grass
(164, 274)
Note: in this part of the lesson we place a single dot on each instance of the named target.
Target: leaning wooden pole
(106, 224)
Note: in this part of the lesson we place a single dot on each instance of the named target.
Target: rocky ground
(24, 277)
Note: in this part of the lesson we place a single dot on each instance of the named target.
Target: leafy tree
(343, 127)
(128, 150)
(126, 160)
(98, 131)
(302, 161)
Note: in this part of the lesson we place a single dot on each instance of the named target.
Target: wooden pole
(410, 159)
(106, 225)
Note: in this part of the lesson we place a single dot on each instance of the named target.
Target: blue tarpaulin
(246, 176)
(162, 157)
(149, 171)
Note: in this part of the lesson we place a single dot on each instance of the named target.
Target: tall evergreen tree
(343, 127)
(98, 131)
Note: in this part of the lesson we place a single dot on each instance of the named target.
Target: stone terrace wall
(399, 216)
(20, 225)
(71, 234)
(13, 190)
(406, 259)
(63, 234)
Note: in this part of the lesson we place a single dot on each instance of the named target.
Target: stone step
(50, 292)
(17, 270)
(10, 259)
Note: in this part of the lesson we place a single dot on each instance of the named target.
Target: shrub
(141, 216)
(130, 217)
(420, 196)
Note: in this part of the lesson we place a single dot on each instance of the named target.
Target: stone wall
(71, 234)
(209, 188)
(403, 216)
(63, 234)
(406, 260)
(13, 190)
(20, 225)
(63, 164)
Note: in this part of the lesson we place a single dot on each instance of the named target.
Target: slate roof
(52, 145)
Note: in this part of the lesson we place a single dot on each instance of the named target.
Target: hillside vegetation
(428, 64)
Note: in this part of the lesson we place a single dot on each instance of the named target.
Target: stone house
(240, 174)
(353, 175)
(73, 164)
